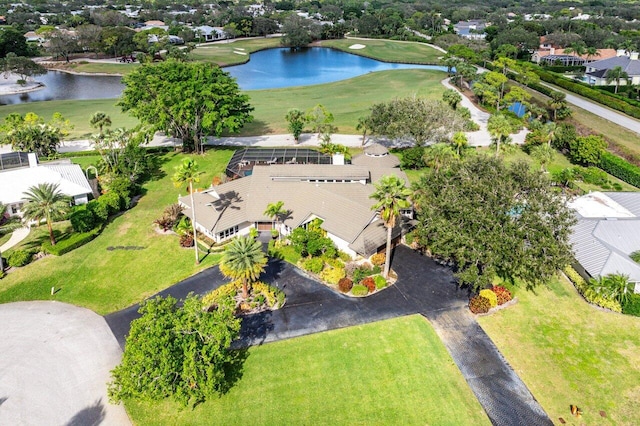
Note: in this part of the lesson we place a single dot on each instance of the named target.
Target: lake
(268, 69)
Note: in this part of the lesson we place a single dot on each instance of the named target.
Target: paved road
(599, 110)
(55, 360)
(423, 287)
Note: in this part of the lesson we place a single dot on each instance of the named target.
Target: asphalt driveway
(423, 287)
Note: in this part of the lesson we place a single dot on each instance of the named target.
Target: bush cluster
(632, 305)
(345, 285)
(332, 275)
(71, 243)
(380, 282)
(479, 305)
(583, 286)
(620, 168)
(488, 294)
(19, 258)
(502, 294)
(313, 264)
(359, 290)
(369, 283)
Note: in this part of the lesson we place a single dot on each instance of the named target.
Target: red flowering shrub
(503, 294)
(186, 240)
(479, 305)
(345, 284)
(369, 283)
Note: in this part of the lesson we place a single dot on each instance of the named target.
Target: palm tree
(364, 125)
(275, 211)
(616, 74)
(438, 155)
(500, 128)
(543, 154)
(188, 173)
(558, 100)
(459, 142)
(243, 259)
(592, 52)
(578, 49)
(391, 195)
(99, 120)
(45, 201)
(613, 287)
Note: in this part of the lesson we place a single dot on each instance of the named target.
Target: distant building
(209, 33)
(473, 30)
(33, 37)
(607, 232)
(20, 171)
(596, 73)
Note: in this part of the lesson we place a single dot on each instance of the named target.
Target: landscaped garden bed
(490, 300)
(262, 297)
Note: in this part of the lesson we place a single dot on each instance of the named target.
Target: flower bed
(262, 297)
(490, 300)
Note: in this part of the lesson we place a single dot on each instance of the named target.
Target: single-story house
(596, 73)
(337, 193)
(607, 232)
(20, 171)
(473, 30)
(549, 54)
(209, 33)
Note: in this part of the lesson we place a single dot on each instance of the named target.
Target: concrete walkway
(423, 287)
(54, 366)
(17, 236)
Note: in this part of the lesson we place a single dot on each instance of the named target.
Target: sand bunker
(239, 53)
(357, 46)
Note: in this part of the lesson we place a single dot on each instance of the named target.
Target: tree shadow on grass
(92, 415)
(234, 369)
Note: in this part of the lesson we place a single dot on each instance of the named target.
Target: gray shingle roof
(630, 66)
(375, 235)
(376, 149)
(375, 163)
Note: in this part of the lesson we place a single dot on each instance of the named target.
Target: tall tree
(363, 126)
(188, 172)
(298, 32)
(188, 100)
(391, 195)
(30, 133)
(558, 101)
(493, 219)
(459, 142)
(296, 120)
(500, 128)
(276, 211)
(452, 98)
(100, 120)
(45, 201)
(243, 259)
(616, 74)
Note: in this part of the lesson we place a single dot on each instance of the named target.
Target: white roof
(596, 204)
(69, 177)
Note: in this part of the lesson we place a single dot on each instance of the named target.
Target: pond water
(268, 69)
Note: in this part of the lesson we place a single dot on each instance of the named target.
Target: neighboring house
(209, 33)
(336, 193)
(550, 54)
(596, 73)
(607, 232)
(20, 171)
(32, 37)
(473, 30)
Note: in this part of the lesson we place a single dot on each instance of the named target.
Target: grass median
(390, 372)
(569, 352)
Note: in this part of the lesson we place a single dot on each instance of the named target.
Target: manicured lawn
(105, 280)
(390, 372)
(4, 238)
(347, 100)
(389, 50)
(568, 352)
(230, 53)
(101, 67)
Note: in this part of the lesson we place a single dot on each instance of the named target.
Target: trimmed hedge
(20, 258)
(73, 242)
(583, 288)
(632, 305)
(620, 168)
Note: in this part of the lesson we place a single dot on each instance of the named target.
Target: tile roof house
(607, 232)
(337, 194)
(20, 171)
(549, 54)
(596, 73)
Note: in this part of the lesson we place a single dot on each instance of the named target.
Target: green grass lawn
(103, 68)
(347, 100)
(389, 50)
(390, 372)
(107, 280)
(230, 53)
(568, 352)
(4, 238)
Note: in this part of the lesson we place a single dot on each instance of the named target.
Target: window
(227, 233)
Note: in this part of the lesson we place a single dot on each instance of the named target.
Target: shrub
(112, 202)
(409, 238)
(74, 241)
(591, 175)
(369, 283)
(361, 272)
(490, 296)
(274, 296)
(345, 285)
(635, 256)
(99, 210)
(632, 305)
(590, 296)
(82, 220)
(165, 223)
(380, 282)
(378, 258)
(186, 240)
(359, 290)
(19, 258)
(334, 262)
(503, 295)
(345, 257)
(479, 305)
(332, 275)
(376, 269)
(413, 158)
(225, 291)
(313, 264)
(620, 168)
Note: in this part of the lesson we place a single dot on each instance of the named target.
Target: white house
(20, 171)
(596, 73)
(209, 33)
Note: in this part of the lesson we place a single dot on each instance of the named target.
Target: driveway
(54, 364)
(423, 287)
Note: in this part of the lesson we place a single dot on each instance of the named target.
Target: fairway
(386, 373)
(388, 50)
(569, 352)
(347, 100)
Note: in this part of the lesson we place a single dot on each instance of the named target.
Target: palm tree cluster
(46, 202)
